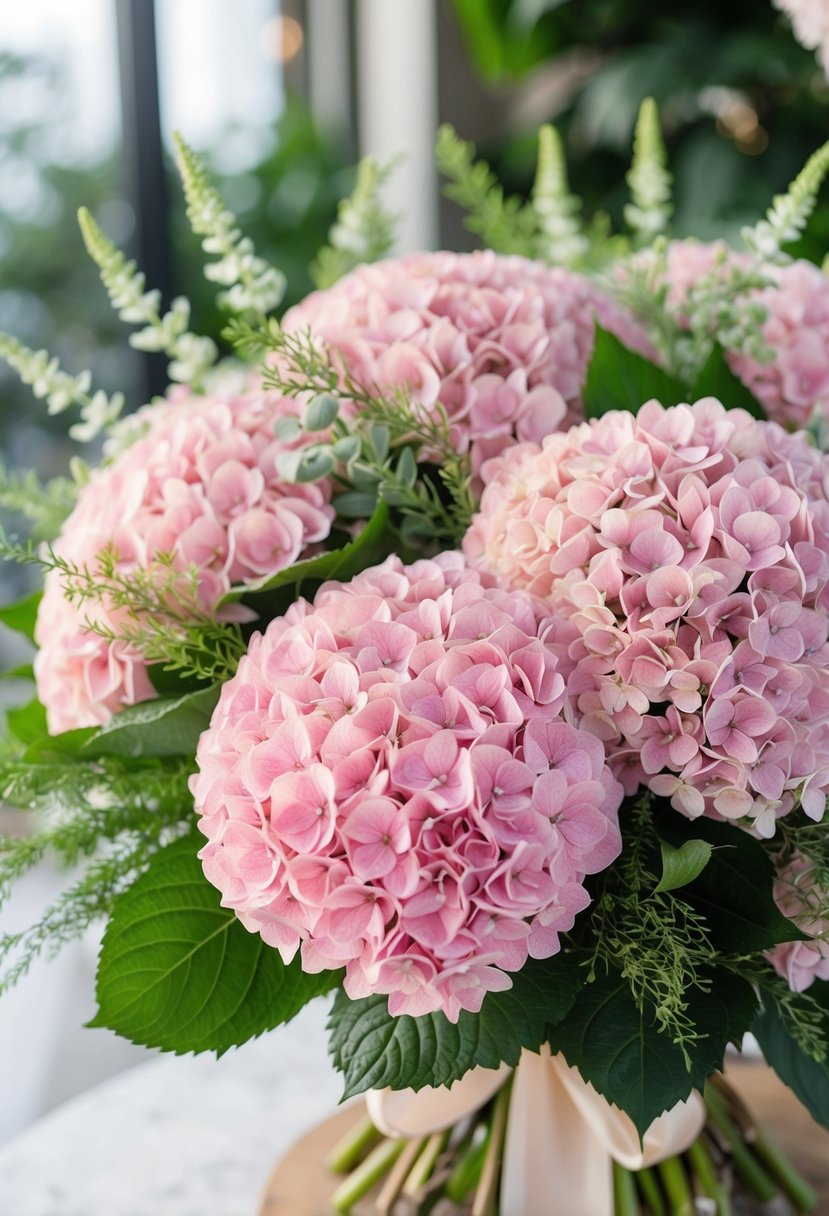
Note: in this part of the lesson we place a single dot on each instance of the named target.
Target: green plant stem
(399, 1173)
(425, 1164)
(706, 1177)
(648, 1184)
(466, 1173)
(781, 1169)
(675, 1182)
(624, 1192)
(484, 1203)
(360, 1181)
(745, 1163)
(354, 1145)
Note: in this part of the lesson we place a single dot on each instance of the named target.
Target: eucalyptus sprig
(376, 442)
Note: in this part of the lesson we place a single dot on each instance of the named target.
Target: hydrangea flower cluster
(795, 382)
(387, 783)
(503, 343)
(801, 963)
(684, 556)
(201, 482)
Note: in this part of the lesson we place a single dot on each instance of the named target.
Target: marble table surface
(177, 1136)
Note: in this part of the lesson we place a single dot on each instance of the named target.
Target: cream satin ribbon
(562, 1136)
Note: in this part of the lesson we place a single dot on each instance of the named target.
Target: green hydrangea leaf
(716, 379)
(179, 972)
(373, 1049)
(169, 726)
(805, 1076)
(303, 578)
(620, 1050)
(28, 722)
(621, 379)
(22, 615)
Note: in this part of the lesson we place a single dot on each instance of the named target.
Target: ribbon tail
(553, 1161)
(404, 1112)
(670, 1134)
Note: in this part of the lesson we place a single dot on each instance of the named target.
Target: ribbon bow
(562, 1136)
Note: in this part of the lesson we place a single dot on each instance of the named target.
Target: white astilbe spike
(60, 390)
(252, 286)
(190, 355)
(789, 212)
(650, 208)
(559, 240)
(363, 231)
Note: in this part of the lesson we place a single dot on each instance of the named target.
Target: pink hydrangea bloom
(810, 22)
(684, 556)
(801, 963)
(202, 482)
(503, 343)
(388, 785)
(795, 383)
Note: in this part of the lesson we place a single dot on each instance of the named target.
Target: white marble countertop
(177, 1136)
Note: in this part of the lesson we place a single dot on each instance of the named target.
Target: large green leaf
(179, 972)
(22, 615)
(805, 1076)
(304, 577)
(621, 379)
(28, 722)
(716, 379)
(620, 1050)
(734, 890)
(169, 726)
(374, 1049)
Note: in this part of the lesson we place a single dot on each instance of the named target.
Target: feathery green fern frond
(503, 224)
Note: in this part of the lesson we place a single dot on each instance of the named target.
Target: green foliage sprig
(108, 815)
(45, 506)
(364, 230)
(161, 615)
(251, 285)
(374, 444)
(503, 224)
(190, 354)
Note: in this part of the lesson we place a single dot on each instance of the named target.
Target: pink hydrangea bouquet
(459, 652)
